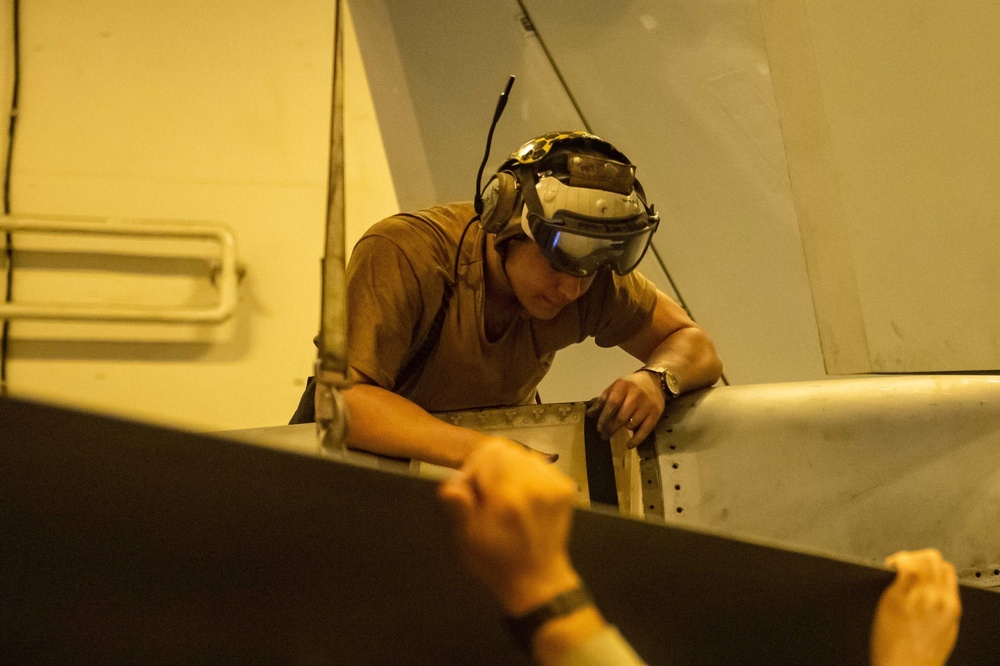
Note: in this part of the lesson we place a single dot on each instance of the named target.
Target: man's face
(542, 290)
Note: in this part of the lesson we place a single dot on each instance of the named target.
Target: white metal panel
(857, 468)
(182, 111)
(218, 267)
(889, 116)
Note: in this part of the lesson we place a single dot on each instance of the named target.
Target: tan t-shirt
(395, 283)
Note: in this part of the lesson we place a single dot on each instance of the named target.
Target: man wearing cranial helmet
(464, 305)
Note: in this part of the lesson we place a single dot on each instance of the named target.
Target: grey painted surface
(436, 71)
(855, 467)
(682, 87)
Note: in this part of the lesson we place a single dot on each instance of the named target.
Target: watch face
(667, 380)
(671, 382)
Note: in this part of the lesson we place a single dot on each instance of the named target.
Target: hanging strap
(415, 365)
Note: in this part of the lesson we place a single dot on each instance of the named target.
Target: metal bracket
(226, 280)
(985, 576)
(551, 428)
(649, 473)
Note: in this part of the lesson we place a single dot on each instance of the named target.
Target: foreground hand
(547, 457)
(634, 402)
(513, 512)
(916, 622)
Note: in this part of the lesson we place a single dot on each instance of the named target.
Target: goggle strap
(526, 177)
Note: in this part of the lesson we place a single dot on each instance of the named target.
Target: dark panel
(125, 542)
(600, 465)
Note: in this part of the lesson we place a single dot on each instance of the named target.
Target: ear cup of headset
(501, 199)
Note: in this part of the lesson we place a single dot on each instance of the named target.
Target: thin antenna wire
(501, 105)
(530, 25)
(9, 237)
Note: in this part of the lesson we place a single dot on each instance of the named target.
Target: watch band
(524, 627)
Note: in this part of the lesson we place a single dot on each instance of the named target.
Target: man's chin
(545, 313)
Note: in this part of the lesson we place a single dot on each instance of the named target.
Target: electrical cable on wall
(529, 26)
(9, 237)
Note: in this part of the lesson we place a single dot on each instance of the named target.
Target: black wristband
(523, 627)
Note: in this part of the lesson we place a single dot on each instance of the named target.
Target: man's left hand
(513, 512)
(634, 402)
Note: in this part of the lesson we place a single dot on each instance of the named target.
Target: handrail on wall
(226, 280)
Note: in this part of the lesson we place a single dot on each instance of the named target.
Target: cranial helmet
(576, 196)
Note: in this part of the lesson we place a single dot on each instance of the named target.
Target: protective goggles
(582, 229)
(582, 253)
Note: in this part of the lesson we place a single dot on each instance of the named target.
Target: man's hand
(916, 622)
(513, 512)
(634, 402)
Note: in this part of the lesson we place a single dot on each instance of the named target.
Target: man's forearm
(560, 636)
(386, 423)
(691, 356)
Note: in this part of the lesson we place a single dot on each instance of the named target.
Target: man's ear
(504, 247)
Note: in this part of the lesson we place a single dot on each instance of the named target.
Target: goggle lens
(579, 254)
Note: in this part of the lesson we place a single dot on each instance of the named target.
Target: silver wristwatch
(668, 382)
